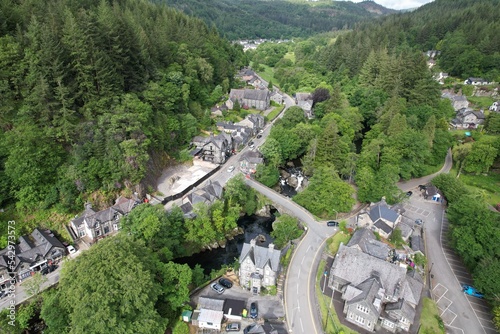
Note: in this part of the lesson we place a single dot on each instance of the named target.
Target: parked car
(233, 327)
(419, 222)
(230, 169)
(253, 310)
(471, 291)
(3, 293)
(332, 223)
(409, 193)
(217, 288)
(226, 283)
(71, 249)
(251, 144)
(259, 136)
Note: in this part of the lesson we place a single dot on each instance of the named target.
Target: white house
(259, 266)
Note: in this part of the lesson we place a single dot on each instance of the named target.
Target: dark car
(226, 283)
(418, 221)
(3, 293)
(251, 143)
(48, 269)
(259, 136)
(253, 310)
(233, 327)
(409, 193)
(332, 223)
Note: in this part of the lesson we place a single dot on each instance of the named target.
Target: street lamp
(324, 280)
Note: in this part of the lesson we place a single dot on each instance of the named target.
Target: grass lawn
(481, 102)
(489, 185)
(268, 74)
(429, 320)
(272, 115)
(333, 244)
(330, 321)
(291, 56)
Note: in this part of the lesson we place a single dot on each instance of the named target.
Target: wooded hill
(466, 32)
(250, 19)
(90, 89)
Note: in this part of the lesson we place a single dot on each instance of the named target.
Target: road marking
(302, 262)
(301, 325)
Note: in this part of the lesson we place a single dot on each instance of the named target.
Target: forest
(253, 19)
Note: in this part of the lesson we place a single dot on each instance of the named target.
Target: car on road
(217, 288)
(3, 293)
(48, 269)
(226, 283)
(259, 136)
(71, 249)
(471, 291)
(233, 327)
(230, 169)
(409, 193)
(419, 222)
(332, 223)
(254, 312)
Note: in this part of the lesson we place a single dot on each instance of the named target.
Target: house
(217, 110)
(259, 266)
(207, 195)
(495, 106)
(209, 313)
(476, 81)
(439, 77)
(305, 101)
(90, 225)
(250, 160)
(457, 101)
(468, 118)
(241, 137)
(254, 122)
(431, 63)
(365, 241)
(250, 98)
(276, 97)
(380, 218)
(214, 149)
(417, 244)
(374, 291)
(32, 253)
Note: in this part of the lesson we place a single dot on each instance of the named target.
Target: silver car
(217, 288)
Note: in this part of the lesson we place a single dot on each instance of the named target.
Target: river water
(216, 258)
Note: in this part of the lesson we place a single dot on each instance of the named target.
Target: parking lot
(271, 312)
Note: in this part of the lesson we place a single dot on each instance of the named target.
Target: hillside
(467, 32)
(246, 19)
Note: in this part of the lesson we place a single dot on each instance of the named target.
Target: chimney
(252, 243)
(271, 247)
(88, 206)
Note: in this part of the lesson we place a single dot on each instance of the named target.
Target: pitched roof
(256, 94)
(354, 266)
(401, 307)
(210, 303)
(365, 240)
(254, 329)
(303, 96)
(382, 210)
(212, 316)
(382, 225)
(253, 157)
(371, 289)
(236, 94)
(417, 244)
(261, 255)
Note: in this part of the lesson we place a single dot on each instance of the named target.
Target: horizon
(397, 4)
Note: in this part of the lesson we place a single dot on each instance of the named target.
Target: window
(115, 227)
(360, 320)
(362, 308)
(97, 233)
(81, 233)
(351, 315)
(369, 324)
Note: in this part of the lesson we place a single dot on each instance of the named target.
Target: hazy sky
(400, 4)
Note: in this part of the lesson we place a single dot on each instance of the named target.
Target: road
(300, 298)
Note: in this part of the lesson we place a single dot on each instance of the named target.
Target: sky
(400, 4)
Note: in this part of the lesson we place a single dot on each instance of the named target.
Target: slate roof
(365, 240)
(210, 303)
(417, 244)
(236, 94)
(382, 210)
(382, 225)
(303, 96)
(354, 266)
(212, 316)
(253, 157)
(369, 292)
(234, 307)
(401, 307)
(256, 94)
(261, 255)
(90, 217)
(255, 329)
(412, 290)
(406, 229)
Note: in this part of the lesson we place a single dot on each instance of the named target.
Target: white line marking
(301, 325)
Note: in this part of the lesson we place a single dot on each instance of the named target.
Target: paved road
(302, 312)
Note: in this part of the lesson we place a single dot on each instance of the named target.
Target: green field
(488, 185)
(481, 102)
(429, 319)
(333, 243)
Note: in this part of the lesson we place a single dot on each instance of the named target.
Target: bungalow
(209, 314)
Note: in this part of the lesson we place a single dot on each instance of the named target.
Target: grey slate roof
(256, 94)
(254, 329)
(417, 244)
(261, 255)
(370, 291)
(210, 303)
(401, 307)
(254, 157)
(412, 290)
(354, 266)
(365, 240)
(380, 224)
(382, 210)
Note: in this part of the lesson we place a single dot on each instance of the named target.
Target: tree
(460, 154)
(34, 284)
(95, 294)
(267, 174)
(480, 158)
(271, 150)
(285, 228)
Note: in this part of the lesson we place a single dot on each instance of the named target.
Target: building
(215, 149)
(207, 195)
(31, 254)
(250, 160)
(259, 266)
(375, 292)
(305, 101)
(457, 101)
(476, 81)
(209, 313)
(380, 218)
(254, 122)
(467, 118)
(250, 98)
(92, 225)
